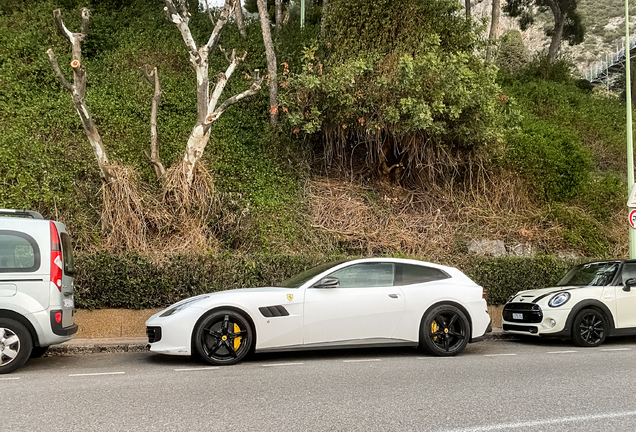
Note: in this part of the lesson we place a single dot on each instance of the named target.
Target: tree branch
(56, 68)
(223, 78)
(216, 33)
(182, 24)
(154, 136)
(254, 88)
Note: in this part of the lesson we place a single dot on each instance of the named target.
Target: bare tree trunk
(271, 60)
(555, 44)
(207, 111)
(238, 15)
(467, 2)
(278, 5)
(494, 29)
(155, 160)
(325, 11)
(78, 88)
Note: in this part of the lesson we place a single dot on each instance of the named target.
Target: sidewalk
(139, 344)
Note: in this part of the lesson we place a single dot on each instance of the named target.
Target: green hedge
(134, 281)
(504, 276)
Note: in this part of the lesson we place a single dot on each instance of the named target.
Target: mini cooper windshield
(591, 274)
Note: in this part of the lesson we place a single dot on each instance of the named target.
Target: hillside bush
(135, 281)
(504, 276)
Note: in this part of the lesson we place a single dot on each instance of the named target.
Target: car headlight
(173, 310)
(559, 300)
(511, 298)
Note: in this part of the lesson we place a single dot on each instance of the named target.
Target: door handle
(393, 295)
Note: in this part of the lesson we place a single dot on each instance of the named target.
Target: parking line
(560, 352)
(96, 374)
(9, 378)
(498, 355)
(362, 360)
(197, 369)
(616, 349)
(282, 364)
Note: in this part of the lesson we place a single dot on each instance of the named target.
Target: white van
(36, 286)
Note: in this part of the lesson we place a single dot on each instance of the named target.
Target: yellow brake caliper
(434, 329)
(237, 341)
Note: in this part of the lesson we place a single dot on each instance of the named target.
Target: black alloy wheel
(223, 337)
(445, 331)
(589, 328)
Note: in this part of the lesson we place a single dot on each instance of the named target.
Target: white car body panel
(324, 317)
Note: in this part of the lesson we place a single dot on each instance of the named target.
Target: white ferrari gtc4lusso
(365, 302)
(591, 302)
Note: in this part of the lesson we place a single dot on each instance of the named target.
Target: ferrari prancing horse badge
(290, 297)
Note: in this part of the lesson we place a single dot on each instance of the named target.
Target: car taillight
(58, 317)
(56, 258)
(483, 294)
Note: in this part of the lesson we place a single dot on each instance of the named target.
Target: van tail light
(56, 258)
(483, 294)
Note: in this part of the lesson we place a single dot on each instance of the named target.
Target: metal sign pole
(630, 145)
(302, 13)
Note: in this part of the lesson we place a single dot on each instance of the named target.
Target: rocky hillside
(605, 30)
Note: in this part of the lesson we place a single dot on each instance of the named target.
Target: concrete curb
(132, 345)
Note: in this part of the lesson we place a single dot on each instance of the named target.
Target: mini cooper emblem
(290, 297)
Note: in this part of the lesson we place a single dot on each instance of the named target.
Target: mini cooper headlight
(559, 300)
(173, 310)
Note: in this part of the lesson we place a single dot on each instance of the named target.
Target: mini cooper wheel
(589, 328)
(15, 345)
(445, 331)
(223, 338)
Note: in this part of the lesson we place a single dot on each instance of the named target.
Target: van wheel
(15, 345)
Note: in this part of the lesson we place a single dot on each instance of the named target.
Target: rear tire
(15, 345)
(445, 331)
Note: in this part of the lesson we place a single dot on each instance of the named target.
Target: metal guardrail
(606, 72)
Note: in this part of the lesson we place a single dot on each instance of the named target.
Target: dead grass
(377, 218)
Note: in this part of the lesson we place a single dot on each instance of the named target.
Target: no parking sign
(632, 218)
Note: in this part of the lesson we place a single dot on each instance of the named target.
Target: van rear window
(19, 252)
(67, 254)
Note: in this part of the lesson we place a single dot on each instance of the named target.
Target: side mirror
(629, 284)
(327, 282)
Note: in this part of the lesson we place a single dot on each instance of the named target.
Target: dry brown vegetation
(438, 222)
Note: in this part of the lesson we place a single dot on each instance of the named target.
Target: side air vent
(273, 311)
(154, 334)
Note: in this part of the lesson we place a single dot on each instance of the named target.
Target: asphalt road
(498, 385)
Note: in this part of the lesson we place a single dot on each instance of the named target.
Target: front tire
(223, 337)
(445, 331)
(15, 345)
(589, 328)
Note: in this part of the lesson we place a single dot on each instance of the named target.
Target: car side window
(408, 274)
(367, 275)
(629, 271)
(19, 252)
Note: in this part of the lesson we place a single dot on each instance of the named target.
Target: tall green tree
(567, 22)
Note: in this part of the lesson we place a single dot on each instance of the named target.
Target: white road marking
(197, 369)
(9, 378)
(96, 374)
(616, 349)
(282, 364)
(498, 355)
(563, 420)
(361, 360)
(436, 357)
(560, 352)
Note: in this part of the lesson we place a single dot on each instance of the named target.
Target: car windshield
(592, 274)
(299, 279)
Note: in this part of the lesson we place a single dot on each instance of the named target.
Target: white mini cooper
(591, 302)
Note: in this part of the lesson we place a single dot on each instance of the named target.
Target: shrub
(513, 56)
(504, 276)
